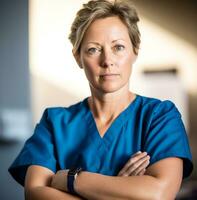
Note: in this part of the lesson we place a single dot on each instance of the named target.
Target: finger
(137, 153)
(142, 172)
(133, 160)
(138, 166)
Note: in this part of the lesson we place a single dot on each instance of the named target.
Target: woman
(114, 144)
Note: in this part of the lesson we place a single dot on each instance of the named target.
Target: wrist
(77, 182)
(80, 182)
(71, 179)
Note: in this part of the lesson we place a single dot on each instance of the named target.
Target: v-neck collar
(113, 128)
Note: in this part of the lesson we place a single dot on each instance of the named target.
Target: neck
(106, 107)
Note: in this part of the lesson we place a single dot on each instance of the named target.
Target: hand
(136, 165)
(59, 180)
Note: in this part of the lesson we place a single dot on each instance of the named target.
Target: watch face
(74, 171)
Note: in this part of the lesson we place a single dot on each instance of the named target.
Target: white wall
(51, 58)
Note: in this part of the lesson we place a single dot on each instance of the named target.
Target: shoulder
(52, 114)
(157, 106)
(50, 111)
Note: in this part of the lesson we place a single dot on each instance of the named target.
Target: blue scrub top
(68, 137)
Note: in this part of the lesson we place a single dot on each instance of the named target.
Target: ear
(77, 58)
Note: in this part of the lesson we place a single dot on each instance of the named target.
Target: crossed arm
(161, 181)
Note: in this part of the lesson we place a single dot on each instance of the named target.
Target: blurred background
(37, 70)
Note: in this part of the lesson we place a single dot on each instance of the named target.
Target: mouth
(109, 76)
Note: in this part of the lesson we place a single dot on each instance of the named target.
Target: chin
(110, 89)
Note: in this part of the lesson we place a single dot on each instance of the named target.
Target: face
(106, 55)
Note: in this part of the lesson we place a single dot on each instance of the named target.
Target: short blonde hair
(97, 9)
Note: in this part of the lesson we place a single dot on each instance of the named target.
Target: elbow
(30, 193)
(33, 193)
(158, 193)
(164, 193)
(158, 196)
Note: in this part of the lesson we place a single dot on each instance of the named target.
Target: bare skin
(136, 165)
(107, 61)
(38, 185)
(42, 183)
(107, 57)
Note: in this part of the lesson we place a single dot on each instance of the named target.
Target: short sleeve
(167, 136)
(37, 150)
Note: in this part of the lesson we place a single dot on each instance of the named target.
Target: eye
(93, 50)
(119, 47)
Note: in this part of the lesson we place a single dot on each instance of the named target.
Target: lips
(108, 76)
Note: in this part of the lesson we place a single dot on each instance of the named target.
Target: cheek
(126, 63)
(90, 69)
(91, 63)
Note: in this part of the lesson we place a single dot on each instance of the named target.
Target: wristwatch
(71, 177)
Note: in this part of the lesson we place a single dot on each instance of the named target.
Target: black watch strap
(72, 174)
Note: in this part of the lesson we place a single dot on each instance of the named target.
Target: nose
(107, 59)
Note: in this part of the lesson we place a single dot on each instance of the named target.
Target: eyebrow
(93, 43)
(117, 40)
(99, 44)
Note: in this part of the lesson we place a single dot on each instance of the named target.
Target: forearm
(96, 186)
(48, 193)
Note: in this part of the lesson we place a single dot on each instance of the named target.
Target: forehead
(110, 28)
